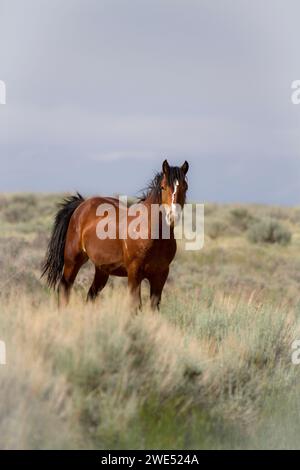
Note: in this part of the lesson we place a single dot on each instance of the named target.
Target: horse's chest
(159, 257)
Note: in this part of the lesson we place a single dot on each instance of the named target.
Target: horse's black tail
(54, 262)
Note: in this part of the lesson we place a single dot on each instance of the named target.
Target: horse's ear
(185, 167)
(165, 167)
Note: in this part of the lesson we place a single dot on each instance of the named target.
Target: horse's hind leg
(134, 284)
(70, 272)
(99, 282)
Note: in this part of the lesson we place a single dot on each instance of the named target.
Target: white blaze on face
(173, 206)
(172, 214)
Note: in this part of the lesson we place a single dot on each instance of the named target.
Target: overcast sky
(100, 92)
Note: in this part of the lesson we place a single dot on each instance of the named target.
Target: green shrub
(210, 209)
(269, 231)
(216, 229)
(241, 218)
(20, 209)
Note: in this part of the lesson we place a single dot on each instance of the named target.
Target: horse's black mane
(153, 188)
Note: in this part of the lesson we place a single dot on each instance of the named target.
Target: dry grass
(92, 370)
(208, 371)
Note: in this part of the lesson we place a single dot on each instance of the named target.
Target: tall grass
(212, 369)
(95, 376)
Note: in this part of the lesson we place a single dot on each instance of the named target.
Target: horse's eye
(162, 188)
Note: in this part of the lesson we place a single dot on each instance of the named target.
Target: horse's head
(173, 190)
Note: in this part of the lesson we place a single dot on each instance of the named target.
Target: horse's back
(84, 229)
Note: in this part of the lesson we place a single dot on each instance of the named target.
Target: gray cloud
(99, 92)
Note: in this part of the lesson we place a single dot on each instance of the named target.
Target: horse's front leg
(157, 282)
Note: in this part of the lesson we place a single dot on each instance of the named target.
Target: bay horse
(74, 240)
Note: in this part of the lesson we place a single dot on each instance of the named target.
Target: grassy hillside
(212, 369)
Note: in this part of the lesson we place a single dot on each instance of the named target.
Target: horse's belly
(106, 253)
